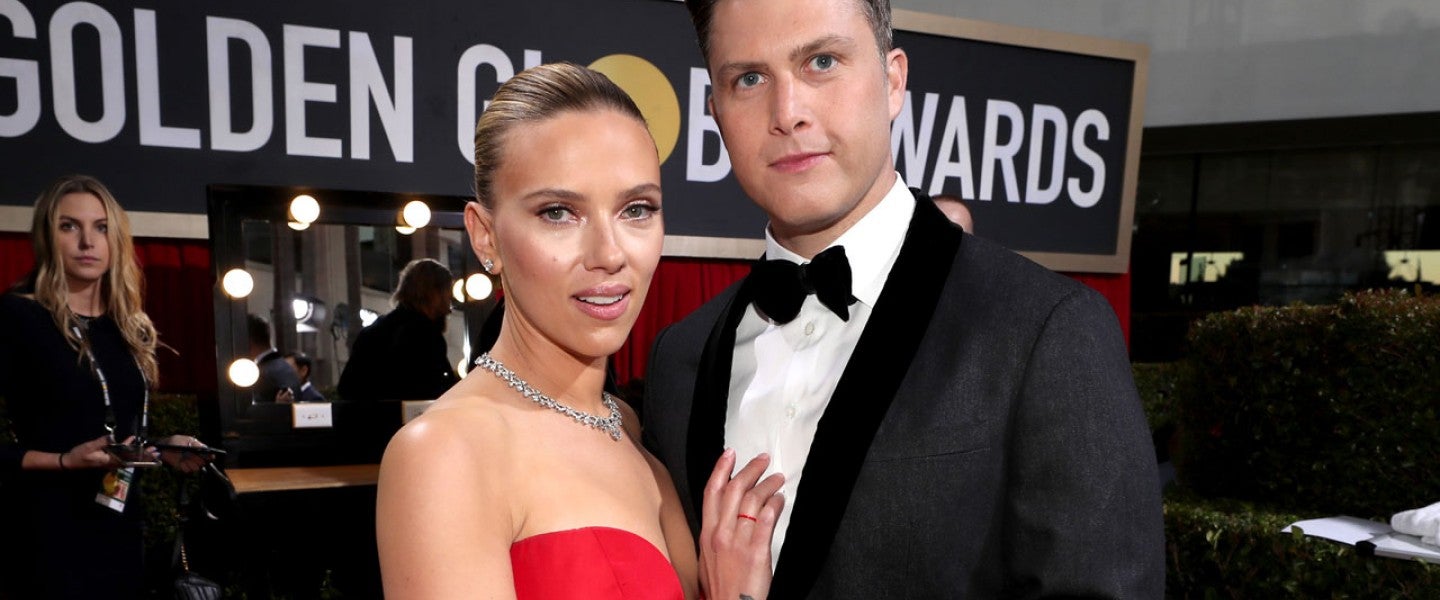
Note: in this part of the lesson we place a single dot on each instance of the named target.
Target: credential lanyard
(110, 420)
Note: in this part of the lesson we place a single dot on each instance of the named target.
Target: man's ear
(897, 73)
(479, 226)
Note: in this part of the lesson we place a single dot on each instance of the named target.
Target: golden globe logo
(652, 93)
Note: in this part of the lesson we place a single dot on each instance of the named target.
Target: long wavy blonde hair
(123, 287)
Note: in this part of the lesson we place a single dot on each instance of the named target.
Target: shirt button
(790, 411)
(810, 328)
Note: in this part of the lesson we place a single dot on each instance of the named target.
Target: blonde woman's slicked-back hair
(123, 287)
(534, 95)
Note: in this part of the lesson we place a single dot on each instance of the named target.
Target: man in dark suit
(952, 420)
(304, 366)
(403, 354)
(278, 382)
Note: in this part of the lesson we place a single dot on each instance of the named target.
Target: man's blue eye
(750, 79)
(823, 62)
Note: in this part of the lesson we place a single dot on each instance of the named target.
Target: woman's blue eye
(638, 211)
(555, 214)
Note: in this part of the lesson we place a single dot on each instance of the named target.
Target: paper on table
(1400, 545)
(1347, 530)
(1355, 531)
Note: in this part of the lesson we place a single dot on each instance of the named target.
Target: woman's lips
(606, 303)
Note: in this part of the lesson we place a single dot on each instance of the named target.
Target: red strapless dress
(594, 563)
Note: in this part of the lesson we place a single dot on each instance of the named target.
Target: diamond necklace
(610, 425)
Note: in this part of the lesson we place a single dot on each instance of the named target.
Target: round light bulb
(458, 290)
(304, 209)
(244, 372)
(300, 308)
(478, 286)
(415, 214)
(237, 283)
(298, 226)
(460, 367)
(404, 230)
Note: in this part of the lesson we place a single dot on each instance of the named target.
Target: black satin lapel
(706, 437)
(882, 357)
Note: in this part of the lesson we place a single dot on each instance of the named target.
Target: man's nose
(789, 108)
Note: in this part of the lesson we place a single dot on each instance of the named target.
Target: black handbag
(188, 585)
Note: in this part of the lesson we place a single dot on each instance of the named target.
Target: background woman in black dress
(77, 358)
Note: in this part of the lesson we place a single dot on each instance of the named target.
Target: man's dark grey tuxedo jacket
(985, 440)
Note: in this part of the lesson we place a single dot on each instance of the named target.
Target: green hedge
(1233, 549)
(1320, 409)
(169, 414)
(1159, 386)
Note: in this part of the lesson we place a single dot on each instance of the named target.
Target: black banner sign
(160, 99)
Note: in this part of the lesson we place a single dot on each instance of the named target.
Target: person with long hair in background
(77, 363)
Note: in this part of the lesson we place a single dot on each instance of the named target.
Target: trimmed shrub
(1159, 386)
(169, 414)
(1233, 549)
(7, 434)
(1323, 409)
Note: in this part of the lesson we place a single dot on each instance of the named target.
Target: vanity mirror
(318, 266)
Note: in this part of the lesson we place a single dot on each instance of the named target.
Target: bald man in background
(955, 210)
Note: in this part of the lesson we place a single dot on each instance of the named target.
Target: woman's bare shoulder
(457, 431)
(446, 498)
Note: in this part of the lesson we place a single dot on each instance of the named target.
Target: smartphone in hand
(132, 455)
(206, 451)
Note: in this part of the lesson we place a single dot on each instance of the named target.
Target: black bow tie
(780, 286)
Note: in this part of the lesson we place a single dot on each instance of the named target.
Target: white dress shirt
(782, 376)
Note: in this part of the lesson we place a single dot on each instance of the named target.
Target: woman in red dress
(526, 480)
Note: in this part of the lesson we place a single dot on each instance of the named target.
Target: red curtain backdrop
(16, 258)
(679, 287)
(179, 297)
(178, 288)
(1115, 287)
(682, 284)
